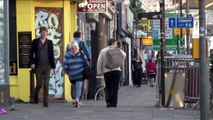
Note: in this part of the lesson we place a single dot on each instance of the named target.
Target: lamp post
(162, 49)
(204, 76)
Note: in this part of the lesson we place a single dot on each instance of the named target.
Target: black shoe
(108, 105)
(45, 104)
(35, 100)
(76, 104)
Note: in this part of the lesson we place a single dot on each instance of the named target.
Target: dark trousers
(42, 76)
(111, 90)
(137, 75)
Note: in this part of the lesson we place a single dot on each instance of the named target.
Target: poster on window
(52, 18)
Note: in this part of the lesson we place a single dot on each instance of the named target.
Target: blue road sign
(172, 22)
(185, 22)
(155, 34)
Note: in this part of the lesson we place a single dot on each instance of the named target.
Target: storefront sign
(13, 68)
(99, 6)
(24, 42)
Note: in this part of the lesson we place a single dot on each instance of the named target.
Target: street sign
(185, 22)
(156, 29)
(156, 34)
(181, 22)
(171, 39)
(172, 22)
(150, 15)
(177, 31)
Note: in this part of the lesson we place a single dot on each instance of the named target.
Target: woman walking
(151, 72)
(74, 66)
(137, 70)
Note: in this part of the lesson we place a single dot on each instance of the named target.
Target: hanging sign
(92, 6)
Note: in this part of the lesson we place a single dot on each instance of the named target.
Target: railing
(180, 68)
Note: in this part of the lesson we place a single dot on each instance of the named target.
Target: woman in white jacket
(111, 76)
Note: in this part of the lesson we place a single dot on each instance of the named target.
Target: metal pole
(7, 55)
(204, 77)
(181, 30)
(179, 15)
(178, 45)
(187, 30)
(162, 28)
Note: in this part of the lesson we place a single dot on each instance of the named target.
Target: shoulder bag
(87, 69)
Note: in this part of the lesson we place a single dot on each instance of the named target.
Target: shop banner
(92, 6)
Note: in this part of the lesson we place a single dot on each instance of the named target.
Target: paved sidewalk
(133, 104)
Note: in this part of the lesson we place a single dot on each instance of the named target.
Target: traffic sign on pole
(185, 22)
(172, 22)
(150, 15)
(181, 22)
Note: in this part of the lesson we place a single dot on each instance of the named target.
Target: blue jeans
(77, 89)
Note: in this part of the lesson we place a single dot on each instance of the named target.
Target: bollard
(12, 103)
(32, 72)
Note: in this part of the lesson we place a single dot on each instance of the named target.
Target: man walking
(83, 46)
(111, 76)
(42, 60)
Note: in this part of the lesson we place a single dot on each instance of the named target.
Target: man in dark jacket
(42, 60)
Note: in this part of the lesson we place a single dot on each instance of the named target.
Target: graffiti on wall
(52, 18)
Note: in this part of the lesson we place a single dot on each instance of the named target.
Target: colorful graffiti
(52, 18)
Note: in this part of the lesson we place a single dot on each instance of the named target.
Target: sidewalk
(133, 104)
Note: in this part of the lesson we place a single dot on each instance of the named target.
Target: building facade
(60, 19)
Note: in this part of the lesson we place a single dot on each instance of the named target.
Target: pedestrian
(151, 72)
(111, 76)
(73, 65)
(137, 70)
(42, 60)
(211, 58)
(83, 46)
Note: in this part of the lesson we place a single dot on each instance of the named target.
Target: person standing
(42, 60)
(73, 65)
(137, 70)
(111, 76)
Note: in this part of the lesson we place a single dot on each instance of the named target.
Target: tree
(135, 6)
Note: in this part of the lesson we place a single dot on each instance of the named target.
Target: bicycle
(100, 93)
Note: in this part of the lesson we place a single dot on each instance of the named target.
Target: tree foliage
(135, 6)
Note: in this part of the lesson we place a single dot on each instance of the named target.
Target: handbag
(88, 72)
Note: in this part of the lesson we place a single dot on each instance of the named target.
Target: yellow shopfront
(59, 16)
